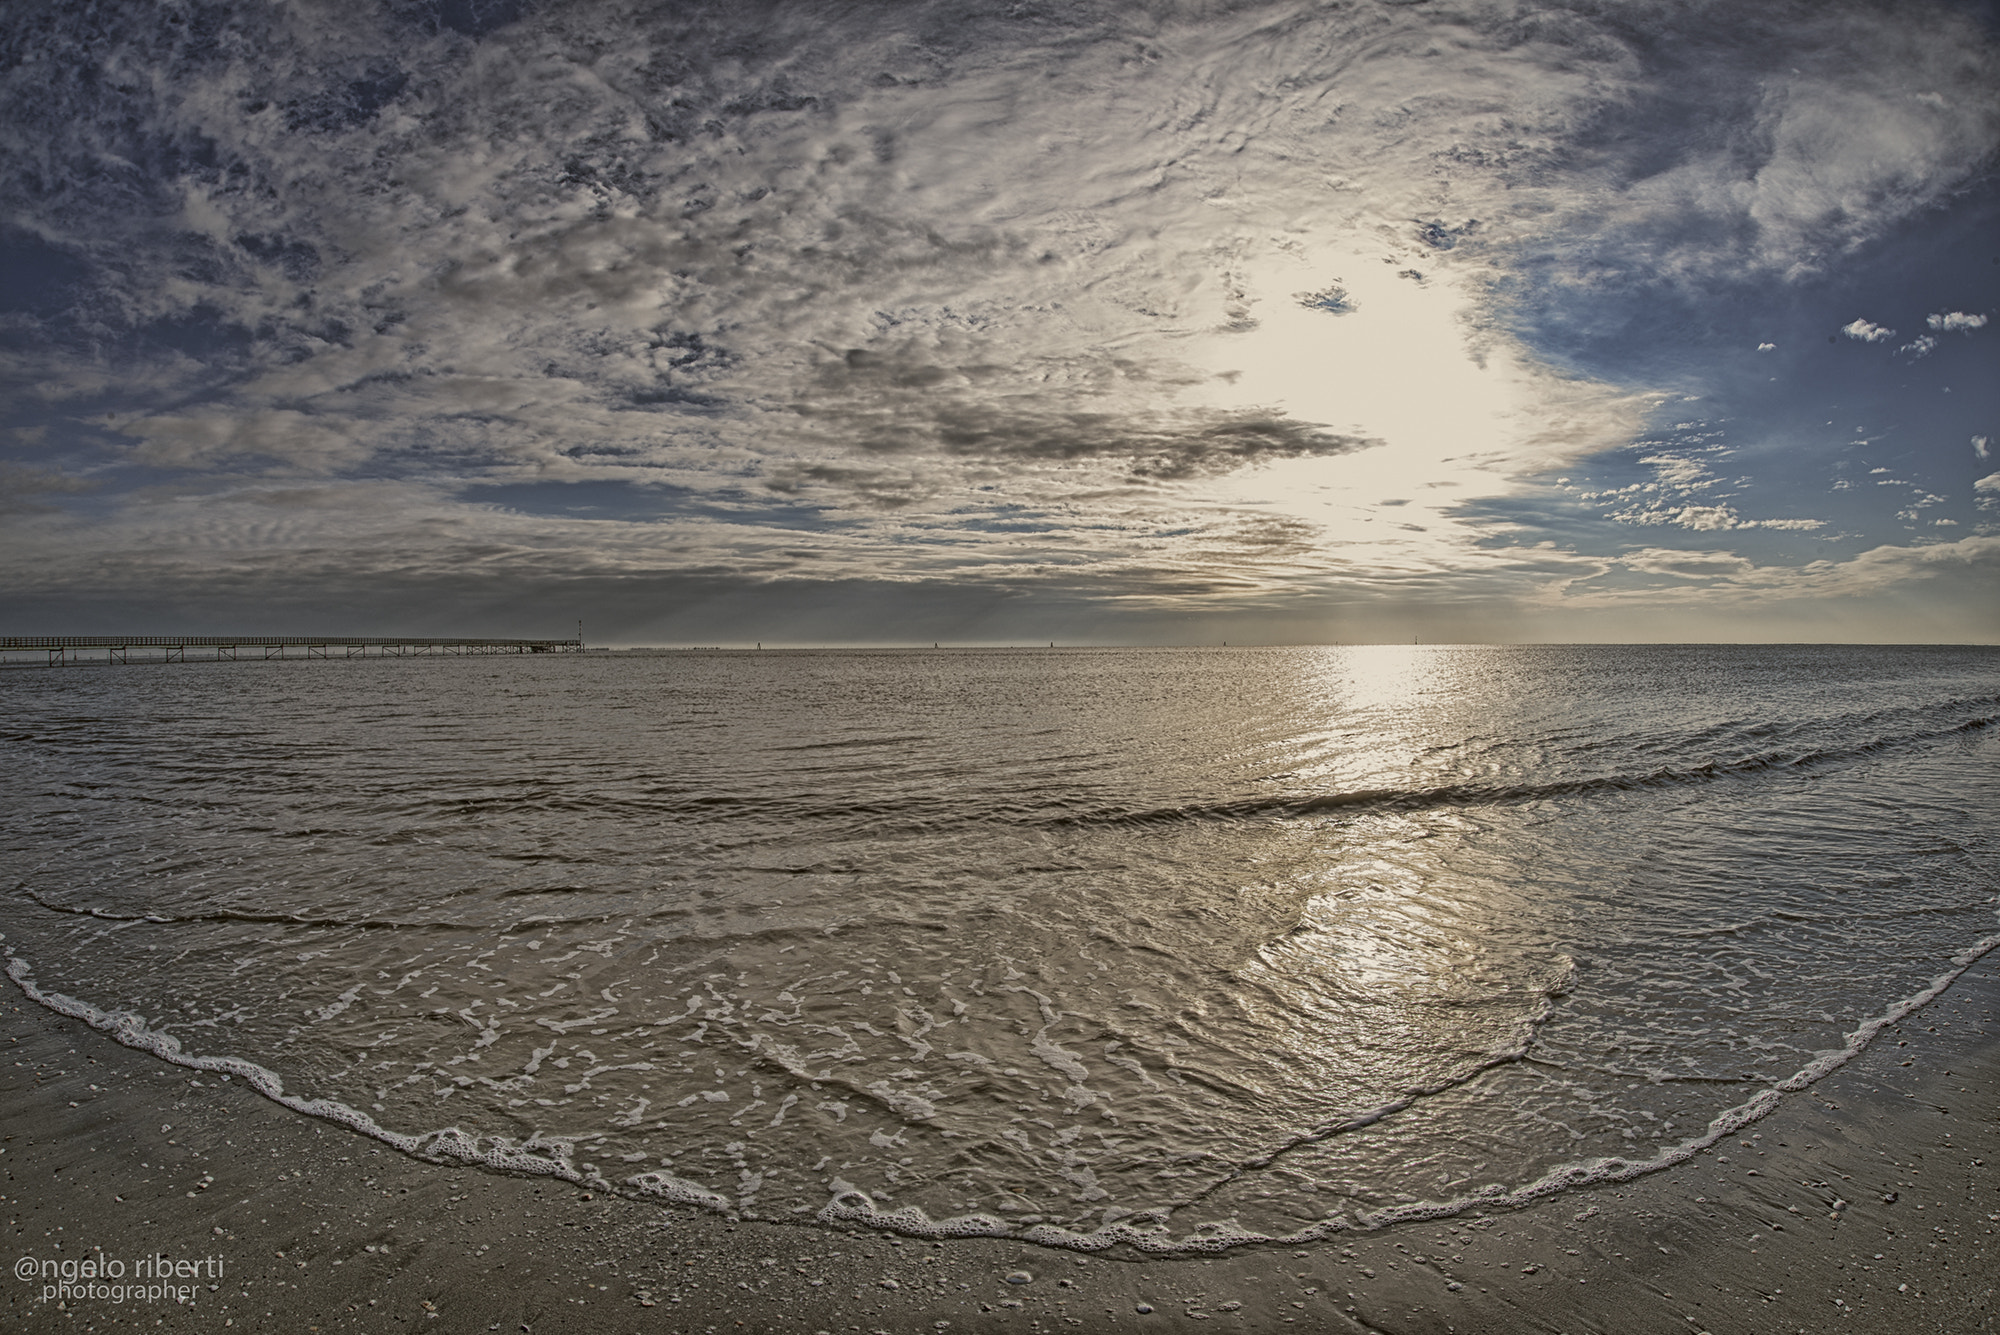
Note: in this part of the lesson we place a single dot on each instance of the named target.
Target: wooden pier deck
(63, 650)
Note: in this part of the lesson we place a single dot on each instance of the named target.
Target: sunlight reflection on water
(1178, 936)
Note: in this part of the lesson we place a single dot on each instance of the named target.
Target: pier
(63, 650)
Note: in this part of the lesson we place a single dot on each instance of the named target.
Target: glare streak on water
(1158, 938)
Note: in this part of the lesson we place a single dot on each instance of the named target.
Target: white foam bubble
(450, 1144)
(851, 1205)
(1725, 1124)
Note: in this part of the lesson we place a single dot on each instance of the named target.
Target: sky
(1083, 322)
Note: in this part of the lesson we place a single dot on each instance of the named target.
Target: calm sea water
(1170, 947)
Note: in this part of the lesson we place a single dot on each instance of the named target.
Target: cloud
(318, 443)
(920, 292)
(1678, 473)
(1887, 565)
(1918, 347)
(1705, 517)
(1980, 446)
(23, 487)
(1767, 347)
(1790, 145)
(1991, 482)
(1709, 519)
(1869, 574)
(1955, 322)
(1686, 565)
(1867, 332)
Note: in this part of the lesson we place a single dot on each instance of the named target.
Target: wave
(849, 1205)
(451, 1145)
(853, 1206)
(1482, 795)
(916, 803)
(221, 915)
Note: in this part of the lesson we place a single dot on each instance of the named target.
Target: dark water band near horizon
(1168, 948)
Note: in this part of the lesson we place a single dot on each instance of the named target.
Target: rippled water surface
(1139, 944)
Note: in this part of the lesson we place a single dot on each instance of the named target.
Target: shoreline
(307, 1225)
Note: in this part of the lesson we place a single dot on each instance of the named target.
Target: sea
(1165, 949)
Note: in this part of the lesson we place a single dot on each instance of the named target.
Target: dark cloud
(1167, 447)
(901, 407)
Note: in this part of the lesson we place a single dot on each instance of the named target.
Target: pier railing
(58, 650)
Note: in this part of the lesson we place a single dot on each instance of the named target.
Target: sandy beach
(951, 668)
(1868, 1203)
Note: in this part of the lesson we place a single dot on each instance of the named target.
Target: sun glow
(1381, 347)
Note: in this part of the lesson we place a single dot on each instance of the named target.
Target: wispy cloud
(1727, 577)
(940, 292)
(26, 490)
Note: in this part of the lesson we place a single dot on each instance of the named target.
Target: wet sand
(1868, 1203)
